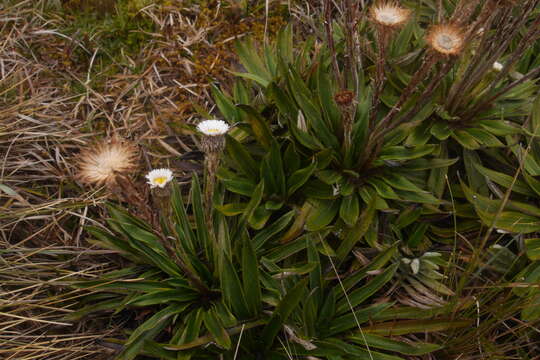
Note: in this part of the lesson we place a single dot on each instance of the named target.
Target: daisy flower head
(497, 66)
(159, 177)
(446, 39)
(214, 132)
(389, 14)
(213, 127)
(100, 164)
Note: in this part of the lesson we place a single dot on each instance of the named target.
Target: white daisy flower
(159, 177)
(497, 66)
(213, 127)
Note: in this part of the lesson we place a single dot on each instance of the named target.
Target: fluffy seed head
(389, 14)
(159, 177)
(103, 162)
(445, 39)
(213, 127)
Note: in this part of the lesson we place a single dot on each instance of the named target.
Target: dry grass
(60, 90)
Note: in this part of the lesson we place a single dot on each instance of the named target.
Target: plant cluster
(372, 193)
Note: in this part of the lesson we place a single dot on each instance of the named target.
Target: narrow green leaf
(384, 343)
(250, 277)
(363, 293)
(349, 209)
(217, 330)
(285, 307)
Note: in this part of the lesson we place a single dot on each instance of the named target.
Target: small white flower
(415, 266)
(213, 127)
(159, 177)
(497, 66)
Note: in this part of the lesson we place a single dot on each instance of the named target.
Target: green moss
(115, 27)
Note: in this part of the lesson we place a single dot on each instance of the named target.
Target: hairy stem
(327, 6)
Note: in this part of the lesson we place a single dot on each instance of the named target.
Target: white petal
(415, 266)
(213, 127)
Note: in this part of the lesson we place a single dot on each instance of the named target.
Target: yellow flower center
(213, 131)
(160, 180)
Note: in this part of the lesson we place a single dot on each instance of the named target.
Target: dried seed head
(389, 14)
(446, 39)
(103, 162)
(344, 98)
(159, 177)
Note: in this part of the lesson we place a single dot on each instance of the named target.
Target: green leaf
(272, 230)
(399, 181)
(259, 218)
(466, 140)
(254, 202)
(242, 158)
(532, 247)
(260, 127)
(285, 307)
(250, 277)
(441, 130)
(400, 153)
(164, 296)
(428, 164)
(408, 216)
(383, 189)
(273, 173)
(404, 327)
(109, 241)
(351, 319)
(499, 127)
(325, 92)
(531, 311)
(231, 288)
(363, 293)
(232, 209)
(299, 178)
(225, 105)
(148, 330)
(185, 233)
(313, 114)
(322, 213)
(284, 44)
(251, 60)
(484, 138)
(505, 180)
(214, 326)
(384, 343)
(239, 186)
(193, 322)
(418, 234)
(349, 209)
(352, 236)
(203, 235)
(511, 221)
